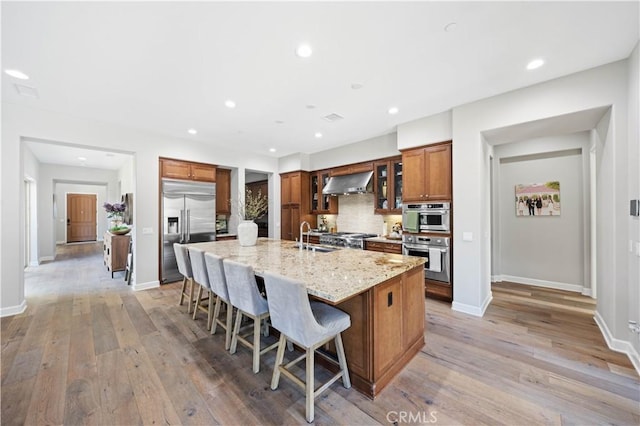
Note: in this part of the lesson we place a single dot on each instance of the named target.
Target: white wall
(633, 173)
(369, 149)
(426, 130)
(126, 176)
(550, 250)
(32, 174)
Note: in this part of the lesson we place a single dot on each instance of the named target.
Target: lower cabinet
(225, 237)
(115, 251)
(383, 247)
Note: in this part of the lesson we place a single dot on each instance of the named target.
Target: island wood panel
(383, 338)
(387, 325)
(357, 338)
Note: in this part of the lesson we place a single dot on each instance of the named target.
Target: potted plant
(254, 207)
(115, 212)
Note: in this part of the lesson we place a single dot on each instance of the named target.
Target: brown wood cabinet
(187, 170)
(383, 247)
(427, 173)
(320, 203)
(115, 251)
(295, 204)
(352, 168)
(223, 191)
(388, 186)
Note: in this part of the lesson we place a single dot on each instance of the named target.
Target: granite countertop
(385, 240)
(333, 277)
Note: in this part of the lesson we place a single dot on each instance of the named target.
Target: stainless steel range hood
(356, 183)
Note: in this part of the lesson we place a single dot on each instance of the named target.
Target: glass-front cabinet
(388, 186)
(320, 203)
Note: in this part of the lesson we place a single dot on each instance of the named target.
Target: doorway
(81, 217)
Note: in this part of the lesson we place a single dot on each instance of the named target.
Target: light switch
(147, 231)
(467, 236)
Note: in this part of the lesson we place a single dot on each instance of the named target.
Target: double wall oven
(427, 233)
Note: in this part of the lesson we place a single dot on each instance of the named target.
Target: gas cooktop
(345, 239)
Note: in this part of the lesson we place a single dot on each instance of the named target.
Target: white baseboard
(47, 259)
(60, 242)
(34, 263)
(542, 283)
(477, 311)
(496, 278)
(587, 292)
(145, 286)
(13, 310)
(617, 344)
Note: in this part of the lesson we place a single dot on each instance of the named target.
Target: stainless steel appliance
(345, 239)
(357, 183)
(435, 249)
(188, 216)
(427, 217)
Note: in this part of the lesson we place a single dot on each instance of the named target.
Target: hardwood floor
(88, 350)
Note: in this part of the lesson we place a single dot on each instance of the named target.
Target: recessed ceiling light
(192, 131)
(318, 135)
(450, 27)
(356, 86)
(229, 103)
(304, 51)
(393, 110)
(272, 150)
(310, 106)
(82, 158)
(109, 154)
(17, 74)
(279, 122)
(536, 63)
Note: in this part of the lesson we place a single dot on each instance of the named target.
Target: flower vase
(247, 233)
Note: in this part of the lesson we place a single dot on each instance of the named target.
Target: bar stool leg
(198, 297)
(227, 339)
(184, 287)
(236, 331)
(257, 322)
(309, 385)
(275, 378)
(191, 289)
(210, 309)
(342, 359)
(216, 312)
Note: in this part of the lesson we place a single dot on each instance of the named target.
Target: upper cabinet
(223, 191)
(187, 170)
(352, 168)
(320, 203)
(388, 186)
(427, 172)
(295, 203)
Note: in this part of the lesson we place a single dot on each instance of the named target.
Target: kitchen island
(383, 293)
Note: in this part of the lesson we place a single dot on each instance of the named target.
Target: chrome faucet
(302, 235)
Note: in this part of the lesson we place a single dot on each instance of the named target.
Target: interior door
(81, 217)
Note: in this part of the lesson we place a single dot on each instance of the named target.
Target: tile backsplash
(355, 214)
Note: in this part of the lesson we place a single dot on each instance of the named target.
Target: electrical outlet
(634, 326)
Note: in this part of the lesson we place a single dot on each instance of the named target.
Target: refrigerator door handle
(181, 226)
(188, 225)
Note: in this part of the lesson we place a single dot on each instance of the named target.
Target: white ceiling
(69, 155)
(169, 66)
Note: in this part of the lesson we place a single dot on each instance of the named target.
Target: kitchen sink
(316, 248)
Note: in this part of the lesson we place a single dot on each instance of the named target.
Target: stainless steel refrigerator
(188, 216)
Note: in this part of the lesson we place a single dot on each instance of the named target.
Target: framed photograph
(538, 199)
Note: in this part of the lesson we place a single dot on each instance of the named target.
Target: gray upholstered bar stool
(218, 281)
(244, 295)
(309, 325)
(184, 267)
(201, 278)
